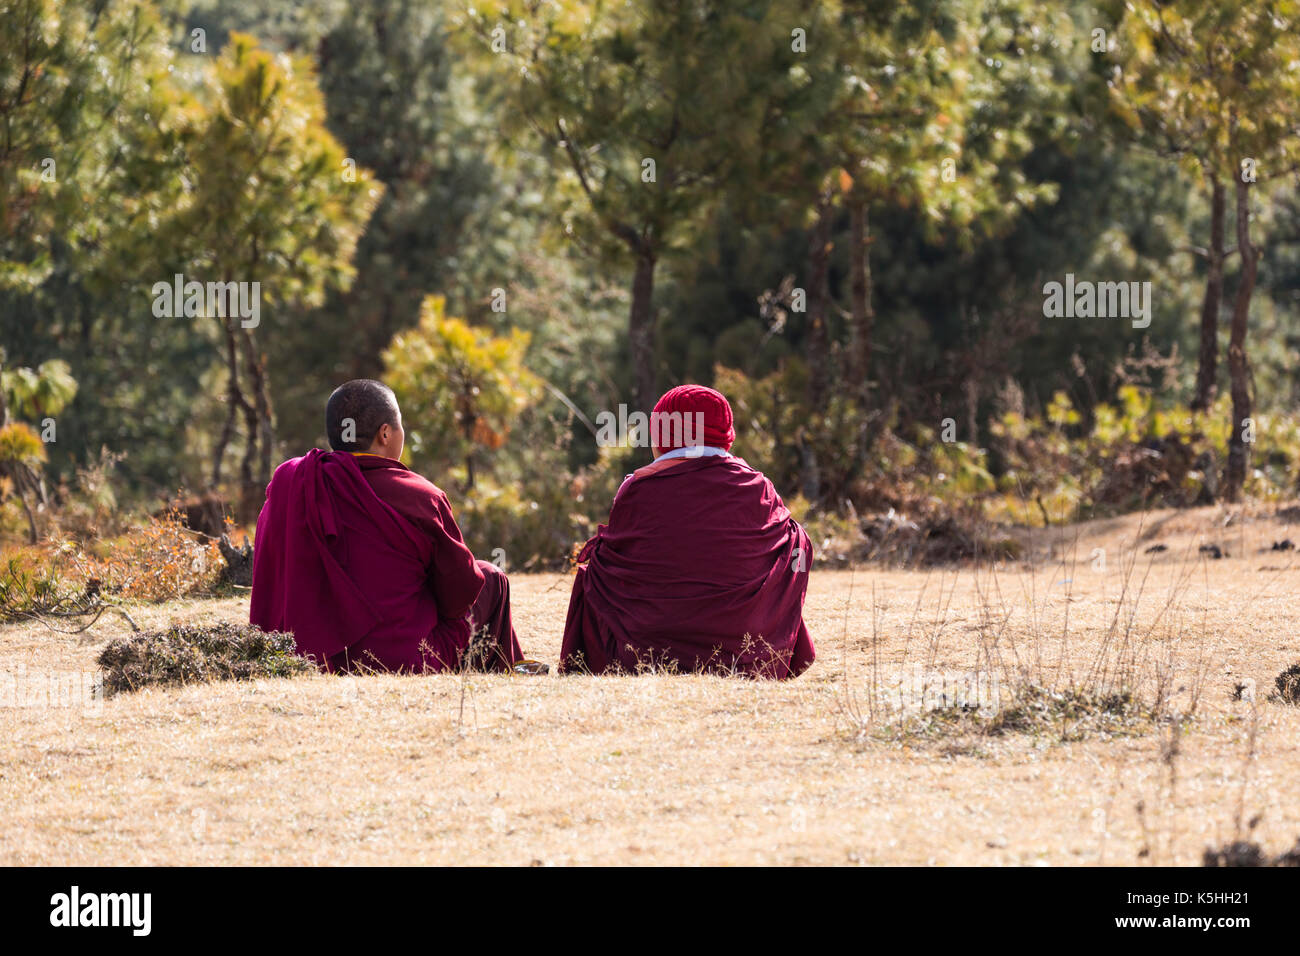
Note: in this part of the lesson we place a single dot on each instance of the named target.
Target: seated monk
(361, 558)
(701, 567)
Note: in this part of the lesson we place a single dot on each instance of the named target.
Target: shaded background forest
(523, 215)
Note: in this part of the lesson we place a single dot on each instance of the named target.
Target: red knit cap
(688, 401)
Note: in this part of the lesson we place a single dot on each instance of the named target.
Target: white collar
(694, 451)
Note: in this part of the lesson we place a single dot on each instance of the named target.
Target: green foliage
(965, 152)
(1138, 453)
(76, 83)
(31, 586)
(30, 393)
(535, 526)
(1217, 83)
(651, 113)
(35, 393)
(611, 86)
(266, 194)
(20, 445)
(270, 197)
(922, 117)
(218, 168)
(450, 220)
(1215, 80)
(460, 387)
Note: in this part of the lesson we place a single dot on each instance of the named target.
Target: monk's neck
(373, 454)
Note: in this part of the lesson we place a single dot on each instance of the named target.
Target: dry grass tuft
(196, 654)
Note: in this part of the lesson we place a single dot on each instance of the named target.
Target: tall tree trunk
(255, 470)
(862, 314)
(1207, 368)
(641, 331)
(261, 389)
(234, 400)
(466, 417)
(21, 476)
(818, 343)
(246, 484)
(972, 389)
(862, 317)
(1238, 366)
(32, 537)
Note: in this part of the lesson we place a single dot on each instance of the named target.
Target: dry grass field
(662, 769)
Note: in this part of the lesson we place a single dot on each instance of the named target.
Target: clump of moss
(1288, 684)
(1248, 853)
(1067, 715)
(1076, 714)
(199, 653)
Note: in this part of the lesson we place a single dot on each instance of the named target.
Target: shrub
(88, 506)
(193, 653)
(461, 388)
(1050, 468)
(531, 528)
(30, 586)
(1136, 453)
(159, 560)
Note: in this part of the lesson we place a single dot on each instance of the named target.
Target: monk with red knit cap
(700, 568)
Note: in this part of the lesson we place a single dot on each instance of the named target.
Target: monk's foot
(530, 667)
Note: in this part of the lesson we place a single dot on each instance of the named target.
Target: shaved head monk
(361, 558)
(700, 568)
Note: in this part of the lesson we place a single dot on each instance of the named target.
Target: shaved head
(356, 411)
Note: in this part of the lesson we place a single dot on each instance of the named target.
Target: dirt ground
(663, 769)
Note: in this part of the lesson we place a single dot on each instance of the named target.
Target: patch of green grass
(1062, 715)
(28, 590)
(199, 653)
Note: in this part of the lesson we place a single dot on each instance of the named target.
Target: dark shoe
(531, 667)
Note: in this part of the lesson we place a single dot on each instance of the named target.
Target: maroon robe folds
(701, 567)
(361, 559)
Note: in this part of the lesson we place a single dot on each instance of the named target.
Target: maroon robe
(361, 559)
(701, 567)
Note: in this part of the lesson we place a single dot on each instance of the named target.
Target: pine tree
(1221, 78)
